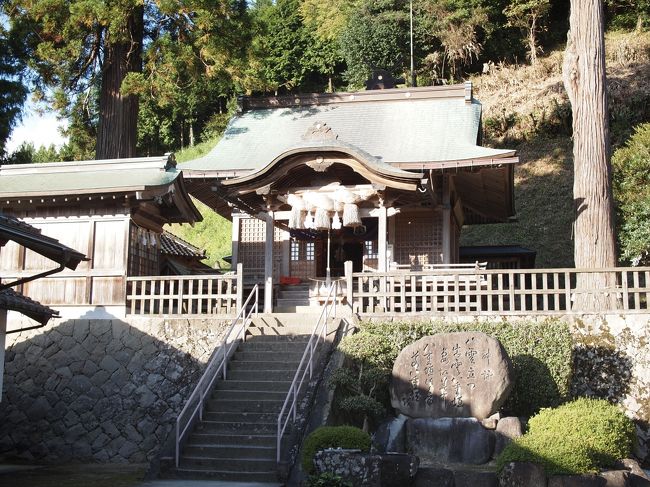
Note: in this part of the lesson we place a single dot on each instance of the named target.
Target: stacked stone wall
(100, 390)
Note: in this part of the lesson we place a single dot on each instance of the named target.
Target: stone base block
(450, 440)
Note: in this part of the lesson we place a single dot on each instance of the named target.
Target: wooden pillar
(446, 221)
(382, 228)
(349, 283)
(382, 265)
(285, 268)
(235, 240)
(3, 334)
(240, 286)
(268, 264)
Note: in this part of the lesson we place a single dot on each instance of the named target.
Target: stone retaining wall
(100, 390)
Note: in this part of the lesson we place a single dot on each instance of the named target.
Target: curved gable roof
(392, 126)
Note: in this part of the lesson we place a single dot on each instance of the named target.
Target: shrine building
(385, 179)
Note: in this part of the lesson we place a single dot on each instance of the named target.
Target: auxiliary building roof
(30, 237)
(140, 178)
(87, 177)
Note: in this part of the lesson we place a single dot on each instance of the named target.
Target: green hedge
(541, 354)
(332, 437)
(582, 436)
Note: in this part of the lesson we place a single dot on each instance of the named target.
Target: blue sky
(39, 129)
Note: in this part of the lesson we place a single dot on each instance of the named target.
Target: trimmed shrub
(582, 436)
(541, 355)
(324, 437)
(631, 170)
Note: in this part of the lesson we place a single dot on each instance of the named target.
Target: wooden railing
(184, 295)
(513, 291)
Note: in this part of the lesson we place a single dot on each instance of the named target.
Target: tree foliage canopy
(12, 90)
(174, 65)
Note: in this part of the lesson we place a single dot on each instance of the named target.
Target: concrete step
(226, 475)
(293, 293)
(293, 301)
(200, 438)
(231, 464)
(267, 355)
(259, 339)
(306, 329)
(303, 286)
(262, 367)
(287, 321)
(242, 395)
(249, 424)
(274, 346)
(299, 309)
(239, 406)
(253, 385)
(252, 374)
(241, 452)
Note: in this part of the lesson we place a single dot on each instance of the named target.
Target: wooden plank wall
(102, 236)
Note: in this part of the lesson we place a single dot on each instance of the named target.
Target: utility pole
(413, 82)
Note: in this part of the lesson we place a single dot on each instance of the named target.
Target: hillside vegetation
(214, 233)
(526, 108)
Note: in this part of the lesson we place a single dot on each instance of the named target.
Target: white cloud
(37, 129)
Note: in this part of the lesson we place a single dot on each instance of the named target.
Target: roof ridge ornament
(171, 161)
(320, 131)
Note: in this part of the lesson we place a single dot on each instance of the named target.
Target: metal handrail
(217, 364)
(316, 337)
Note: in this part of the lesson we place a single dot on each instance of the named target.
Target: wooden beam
(307, 99)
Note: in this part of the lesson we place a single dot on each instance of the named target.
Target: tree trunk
(117, 131)
(586, 85)
(532, 40)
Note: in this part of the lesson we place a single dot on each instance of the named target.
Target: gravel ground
(73, 475)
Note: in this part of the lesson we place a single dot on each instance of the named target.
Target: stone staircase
(236, 441)
(292, 298)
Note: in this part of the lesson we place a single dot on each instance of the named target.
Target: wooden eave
(183, 202)
(122, 191)
(487, 195)
(31, 238)
(507, 158)
(320, 159)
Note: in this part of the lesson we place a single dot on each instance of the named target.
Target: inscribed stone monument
(451, 375)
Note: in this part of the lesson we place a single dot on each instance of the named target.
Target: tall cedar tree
(586, 85)
(12, 89)
(76, 44)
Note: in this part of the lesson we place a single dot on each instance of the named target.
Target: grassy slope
(526, 108)
(214, 233)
